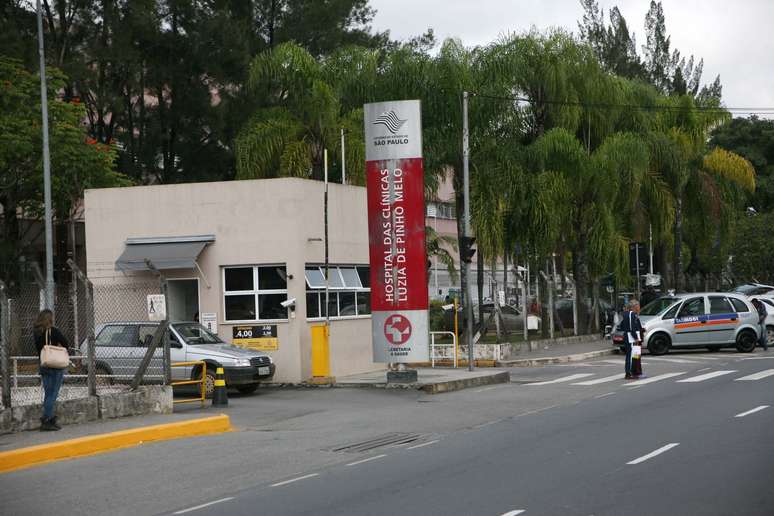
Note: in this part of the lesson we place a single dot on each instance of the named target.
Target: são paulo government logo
(390, 120)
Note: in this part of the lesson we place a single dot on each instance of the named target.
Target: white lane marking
(428, 443)
(369, 459)
(756, 358)
(703, 369)
(487, 389)
(536, 411)
(597, 381)
(670, 360)
(653, 453)
(640, 383)
(616, 362)
(202, 506)
(604, 395)
(513, 513)
(563, 379)
(285, 482)
(705, 358)
(482, 425)
(753, 411)
(756, 376)
(703, 377)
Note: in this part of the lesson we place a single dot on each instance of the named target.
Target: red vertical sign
(396, 224)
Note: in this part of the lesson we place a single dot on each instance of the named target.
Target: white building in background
(234, 251)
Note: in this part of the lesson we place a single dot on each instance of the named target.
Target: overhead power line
(642, 107)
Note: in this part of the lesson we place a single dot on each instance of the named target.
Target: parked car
(564, 309)
(512, 318)
(754, 289)
(711, 320)
(120, 346)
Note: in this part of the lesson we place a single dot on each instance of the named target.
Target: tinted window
(312, 304)
(346, 303)
(239, 278)
(692, 307)
(671, 312)
(270, 306)
(272, 278)
(145, 332)
(240, 308)
(365, 277)
(657, 306)
(739, 305)
(720, 305)
(363, 303)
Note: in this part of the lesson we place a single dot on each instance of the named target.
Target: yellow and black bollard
(220, 395)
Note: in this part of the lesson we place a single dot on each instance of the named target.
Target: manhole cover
(377, 442)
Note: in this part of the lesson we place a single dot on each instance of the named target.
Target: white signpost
(157, 307)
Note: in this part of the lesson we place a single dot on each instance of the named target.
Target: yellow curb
(101, 443)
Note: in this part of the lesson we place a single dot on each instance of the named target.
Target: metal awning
(143, 254)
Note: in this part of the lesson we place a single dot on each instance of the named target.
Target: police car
(711, 320)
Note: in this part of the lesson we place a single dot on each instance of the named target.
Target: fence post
(5, 321)
(78, 275)
(165, 340)
(157, 337)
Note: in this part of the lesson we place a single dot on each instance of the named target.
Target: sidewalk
(429, 380)
(573, 349)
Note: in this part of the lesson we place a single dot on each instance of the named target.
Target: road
(691, 438)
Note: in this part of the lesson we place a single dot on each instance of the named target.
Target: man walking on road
(632, 330)
(761, 308)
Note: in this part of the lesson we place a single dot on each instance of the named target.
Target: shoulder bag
(55, 357)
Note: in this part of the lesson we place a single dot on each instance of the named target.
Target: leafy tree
(753, 254)
(76, 163)
(752, 138)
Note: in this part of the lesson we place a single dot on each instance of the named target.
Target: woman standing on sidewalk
(45, 333)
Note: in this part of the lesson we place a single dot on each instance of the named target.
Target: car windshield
(195, 333)
(657, 306)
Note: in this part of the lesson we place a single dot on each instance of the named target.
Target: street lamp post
(46, 168)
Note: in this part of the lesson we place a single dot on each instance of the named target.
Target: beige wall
(274, 221)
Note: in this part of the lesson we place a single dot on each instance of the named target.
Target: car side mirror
(175, 344)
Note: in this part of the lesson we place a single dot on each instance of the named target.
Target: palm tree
(299, 116)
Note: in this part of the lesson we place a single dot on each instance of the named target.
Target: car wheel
(713, 349)
(247, 389)
(770, 334)
(209, 383)
(658, 345)
(100, 379)
(745, 342)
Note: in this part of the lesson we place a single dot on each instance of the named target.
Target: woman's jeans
(52, 381)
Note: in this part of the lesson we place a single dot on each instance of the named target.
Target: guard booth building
(232, 253)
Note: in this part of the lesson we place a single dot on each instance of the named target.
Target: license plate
(264, 370)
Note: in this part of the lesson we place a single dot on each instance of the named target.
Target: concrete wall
(149, 399)
(257, 222)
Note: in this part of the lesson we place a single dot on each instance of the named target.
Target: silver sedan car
(710, 320)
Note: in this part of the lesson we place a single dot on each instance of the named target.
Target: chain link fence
(108, 332)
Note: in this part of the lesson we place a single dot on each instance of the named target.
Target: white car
(769, 302)
(120, 347)
(710, 320)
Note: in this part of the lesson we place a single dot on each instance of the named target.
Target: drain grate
(378, 442)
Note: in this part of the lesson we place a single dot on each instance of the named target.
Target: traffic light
(467, 251)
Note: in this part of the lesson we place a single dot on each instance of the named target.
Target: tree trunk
(480, 285)
(580, 273)
(678, 278)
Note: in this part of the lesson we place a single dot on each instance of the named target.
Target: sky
(733, 37)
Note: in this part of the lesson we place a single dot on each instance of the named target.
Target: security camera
(288, 302)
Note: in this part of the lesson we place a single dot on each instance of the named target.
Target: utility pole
(650, 247)
(327, 275)
(343, 160)
(467, 231)
(46, 167)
